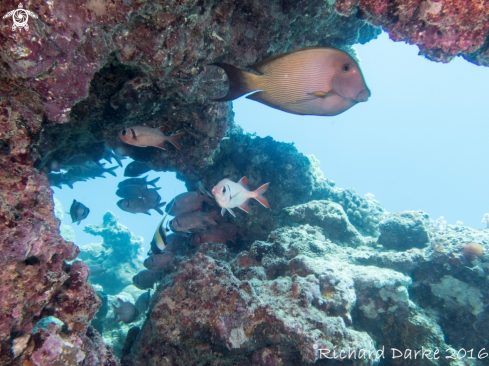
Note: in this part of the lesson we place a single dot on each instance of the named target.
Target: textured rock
(120, 252)
(441, 29)
(405, 230)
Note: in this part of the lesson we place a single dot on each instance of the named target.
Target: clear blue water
(420, 142)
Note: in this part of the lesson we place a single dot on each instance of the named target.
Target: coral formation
(83, 71)
(120, 251)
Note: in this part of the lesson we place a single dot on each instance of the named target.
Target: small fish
(218, 235)
(78, 212)
(158, 262)
(109, 154)
(134, 191)
(138, 182)
(229, 194)
(75, 160)
(187, 202)
(135, 169)
(91, 171)
(58, 179)
(139, 205)
(151, 198)
(126, 312)
(97, 270)
(145, 279)
(319, 81)
(143, 301)
(147, 136)
(186, 222)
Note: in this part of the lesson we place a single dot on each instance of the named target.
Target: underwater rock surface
(120, 253)
(86, 70)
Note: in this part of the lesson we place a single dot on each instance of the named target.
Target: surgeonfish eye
(124, 132)
(346, 67)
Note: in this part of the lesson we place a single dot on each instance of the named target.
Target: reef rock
(120, 252)
(405, 230)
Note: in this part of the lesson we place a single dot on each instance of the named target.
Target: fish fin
(162, 129)
(147, 213)
(231, 212)
(79, 222)
(223, 211)
(258, 195)
(152, 182)
(321, 94)
(111, 171)
(172, 140)
(240, 82)
(161, 145)
(133, 134)
(244, 183)
(68, 184)
(244, 206)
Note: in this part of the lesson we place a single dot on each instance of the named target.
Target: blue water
(420, 142)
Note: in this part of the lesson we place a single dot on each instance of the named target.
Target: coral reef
(120, 252)
(85, 70)
(404, 230)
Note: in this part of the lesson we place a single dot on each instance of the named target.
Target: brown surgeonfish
(319, 81)
(147, 136)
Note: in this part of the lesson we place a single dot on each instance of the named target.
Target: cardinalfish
(318, 81)
(147, 136)
(229, 195)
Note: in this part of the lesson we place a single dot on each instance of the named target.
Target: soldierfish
(139, 205)
(135, 169)
(138, 182)
(187, 202)
(147, 136)
(158, 262)
(319, 81)
(78, 211)
(188, 222)
(220, 234)
(126, 312)
(229, 194)
(146, 279)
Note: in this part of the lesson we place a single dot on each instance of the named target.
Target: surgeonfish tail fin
(173, 140)
(153, 182)
(240, 82)
(258, 195)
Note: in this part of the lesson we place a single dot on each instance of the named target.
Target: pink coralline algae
(442, 29)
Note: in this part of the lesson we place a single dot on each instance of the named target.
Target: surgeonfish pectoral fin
(258, 195)
(231, 212)
(321, 94)
(244, 206)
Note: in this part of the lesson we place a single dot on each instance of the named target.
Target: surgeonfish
(135, 169)
(78, 211)
(147, 136)
(143, 301)
(319, 81)
(229, 194)
(158, 262)
(126, 312)
(146, 279)
(138, 182)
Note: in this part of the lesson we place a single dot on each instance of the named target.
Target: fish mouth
(362, 96)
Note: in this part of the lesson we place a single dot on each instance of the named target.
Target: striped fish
(319, 81)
